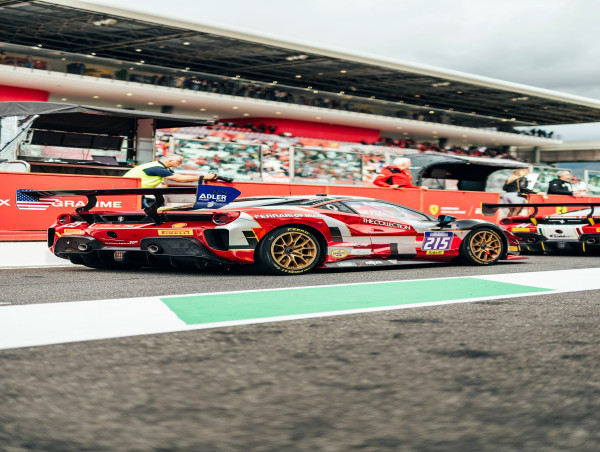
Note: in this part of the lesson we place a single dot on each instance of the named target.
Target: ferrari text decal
(437, 241)
(175, 232)
(289, 215)
(389, 224)
(123, 226)
(120, 242)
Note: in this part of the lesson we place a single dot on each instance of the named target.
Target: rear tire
(288, 251)
(483, 246)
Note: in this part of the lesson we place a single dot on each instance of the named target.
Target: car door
(350, 237)
(390, 227)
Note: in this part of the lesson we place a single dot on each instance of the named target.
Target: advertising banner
(32, 217)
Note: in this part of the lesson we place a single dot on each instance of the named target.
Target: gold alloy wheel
(294, 250)
(486, 245)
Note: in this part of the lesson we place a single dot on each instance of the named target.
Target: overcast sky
(553, 44)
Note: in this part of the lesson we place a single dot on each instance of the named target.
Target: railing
(14, 166)
(592, 182)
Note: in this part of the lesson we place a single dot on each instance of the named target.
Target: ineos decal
(4, 202)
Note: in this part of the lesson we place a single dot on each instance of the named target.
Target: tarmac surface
(516, 374)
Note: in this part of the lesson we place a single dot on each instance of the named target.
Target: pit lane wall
(18, 224)
(26, 225)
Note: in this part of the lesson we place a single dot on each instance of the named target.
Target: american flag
(27, 200)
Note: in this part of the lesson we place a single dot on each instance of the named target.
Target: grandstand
(119, 57)
(362, 110)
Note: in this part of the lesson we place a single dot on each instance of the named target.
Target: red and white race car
(278, 234)
(575, 231)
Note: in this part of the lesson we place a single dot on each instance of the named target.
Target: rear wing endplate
(489, 209)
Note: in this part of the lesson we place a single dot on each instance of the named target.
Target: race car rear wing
(207, 197)
(489, 209)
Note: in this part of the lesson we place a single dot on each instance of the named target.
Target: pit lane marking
(55, 323)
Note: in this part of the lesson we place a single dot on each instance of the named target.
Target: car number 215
(437, 241)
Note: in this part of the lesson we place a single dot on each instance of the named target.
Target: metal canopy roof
(170, 44)
(87, 118)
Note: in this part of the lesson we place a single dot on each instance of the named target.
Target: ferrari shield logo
(561, 209)
(434, 209)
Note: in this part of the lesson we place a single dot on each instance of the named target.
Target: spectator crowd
(267, 91)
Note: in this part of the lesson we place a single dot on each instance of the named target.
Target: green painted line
(227, 307)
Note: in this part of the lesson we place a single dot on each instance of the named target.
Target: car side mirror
(444, 220)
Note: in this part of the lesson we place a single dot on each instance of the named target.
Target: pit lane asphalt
(502, 375)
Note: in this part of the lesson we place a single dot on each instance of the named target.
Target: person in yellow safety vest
(153, 174)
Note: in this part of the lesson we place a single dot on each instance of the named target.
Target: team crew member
(516, 190)
(562, 185)
(396, 175)
(154, 174)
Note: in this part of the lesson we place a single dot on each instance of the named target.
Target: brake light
(64, 219)
(224, 217)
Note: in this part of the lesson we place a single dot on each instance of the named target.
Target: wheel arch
(314, 231)
(474, 225)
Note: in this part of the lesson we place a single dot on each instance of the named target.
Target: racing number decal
(435, 241)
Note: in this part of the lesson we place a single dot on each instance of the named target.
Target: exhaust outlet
(153, 249)
(591, 241)
(82, 247)
(531, 240)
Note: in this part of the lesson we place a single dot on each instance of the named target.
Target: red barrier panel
(460, 204)
(13, 219)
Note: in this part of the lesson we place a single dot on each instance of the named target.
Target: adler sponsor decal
(289, 215)
(212, 197)
(175, 232)
(436, 252)
(389, 224)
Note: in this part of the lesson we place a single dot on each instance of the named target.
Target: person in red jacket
(396, 175)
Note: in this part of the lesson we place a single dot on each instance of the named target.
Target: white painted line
(572, 280)
(67, 265)
(29, 255)
(55, 323)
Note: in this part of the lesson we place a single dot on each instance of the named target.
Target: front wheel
(483, 246)
(288, 250)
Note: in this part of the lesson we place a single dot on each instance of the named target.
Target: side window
(336, 206)
(381, 209)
